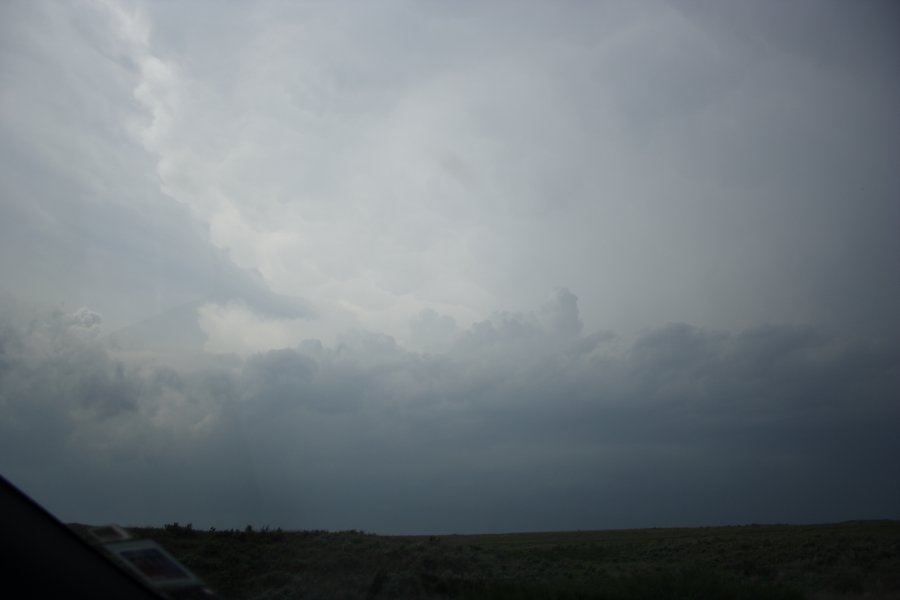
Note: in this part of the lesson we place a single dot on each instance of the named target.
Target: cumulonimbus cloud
(519, 408)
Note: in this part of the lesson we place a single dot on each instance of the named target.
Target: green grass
(846, 560)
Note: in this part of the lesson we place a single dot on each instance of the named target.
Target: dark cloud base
(523, 424)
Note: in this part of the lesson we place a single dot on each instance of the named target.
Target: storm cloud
(471, 267)
(519, 423)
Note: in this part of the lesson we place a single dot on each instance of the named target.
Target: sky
(432, 267)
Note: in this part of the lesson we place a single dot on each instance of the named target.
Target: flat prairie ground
(859, 559)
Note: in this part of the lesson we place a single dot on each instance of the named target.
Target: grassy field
(834, 561)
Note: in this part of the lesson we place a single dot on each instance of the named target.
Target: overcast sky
(451, 266)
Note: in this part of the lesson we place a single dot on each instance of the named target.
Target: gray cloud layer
(83, 220)
(294, 217)
(672, 161)
(523, 423)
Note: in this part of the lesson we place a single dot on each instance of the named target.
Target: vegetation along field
(834, 561)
